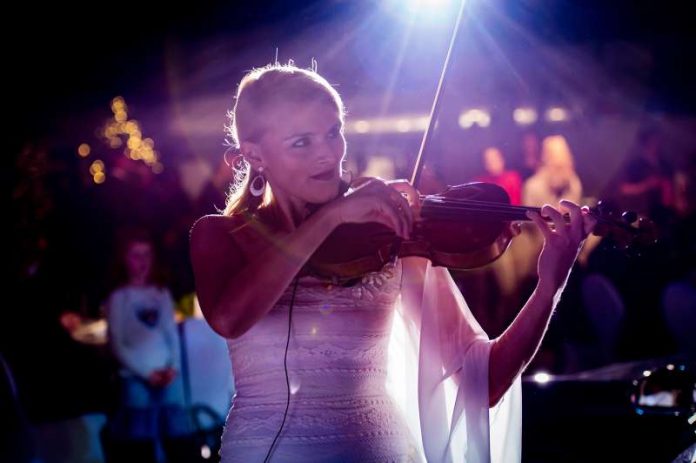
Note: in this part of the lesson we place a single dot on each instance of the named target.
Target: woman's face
(301, 151)
(139, 260)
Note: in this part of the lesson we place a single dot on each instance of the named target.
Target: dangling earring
(258, 184)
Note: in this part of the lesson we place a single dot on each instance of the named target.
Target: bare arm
(235, 292)
(512, 351)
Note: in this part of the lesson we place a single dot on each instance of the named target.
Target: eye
(301, 142)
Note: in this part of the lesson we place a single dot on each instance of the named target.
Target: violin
(465, 227)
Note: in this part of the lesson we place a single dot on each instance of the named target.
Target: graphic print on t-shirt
(148, 315)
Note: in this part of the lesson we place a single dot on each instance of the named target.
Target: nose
(325, 153)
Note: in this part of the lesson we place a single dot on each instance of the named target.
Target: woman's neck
(290, 213)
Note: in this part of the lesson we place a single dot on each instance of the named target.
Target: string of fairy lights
(122, 132)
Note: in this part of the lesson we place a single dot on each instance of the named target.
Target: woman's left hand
(562, 243)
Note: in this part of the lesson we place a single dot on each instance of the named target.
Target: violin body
(465, 227)
(460, 239)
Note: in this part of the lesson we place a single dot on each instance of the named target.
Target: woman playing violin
(310, 356)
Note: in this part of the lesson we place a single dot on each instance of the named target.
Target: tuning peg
(606, 209)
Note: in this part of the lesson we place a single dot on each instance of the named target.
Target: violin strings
(431, 200)
(474, 206)
(479, 206)
(444, 199)
(509, 212)
(487, 205)
(449, 212)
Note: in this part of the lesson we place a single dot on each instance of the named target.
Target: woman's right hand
(375, 201)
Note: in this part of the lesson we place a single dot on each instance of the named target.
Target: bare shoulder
(212, 236)
(216, 257)
(215, 230)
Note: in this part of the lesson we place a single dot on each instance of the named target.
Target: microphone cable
(287, 378)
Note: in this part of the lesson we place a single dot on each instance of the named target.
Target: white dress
(338, 359)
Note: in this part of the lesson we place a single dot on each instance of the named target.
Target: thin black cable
(287, 378)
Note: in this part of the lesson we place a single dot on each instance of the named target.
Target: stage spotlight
(428, 4)
(427, 11)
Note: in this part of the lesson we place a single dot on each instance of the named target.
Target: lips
(326, 175)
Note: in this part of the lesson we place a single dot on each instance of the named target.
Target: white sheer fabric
(439, 345)
(366, 385)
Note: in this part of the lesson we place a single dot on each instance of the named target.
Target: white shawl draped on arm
(438, 375)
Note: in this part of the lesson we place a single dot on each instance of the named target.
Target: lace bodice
(337, 360)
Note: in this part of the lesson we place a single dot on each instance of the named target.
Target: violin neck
(444, 209)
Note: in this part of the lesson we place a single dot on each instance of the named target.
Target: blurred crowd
(76, 247)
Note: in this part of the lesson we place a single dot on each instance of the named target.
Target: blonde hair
(260, 89)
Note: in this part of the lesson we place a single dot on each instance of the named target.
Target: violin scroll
(627, 230)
